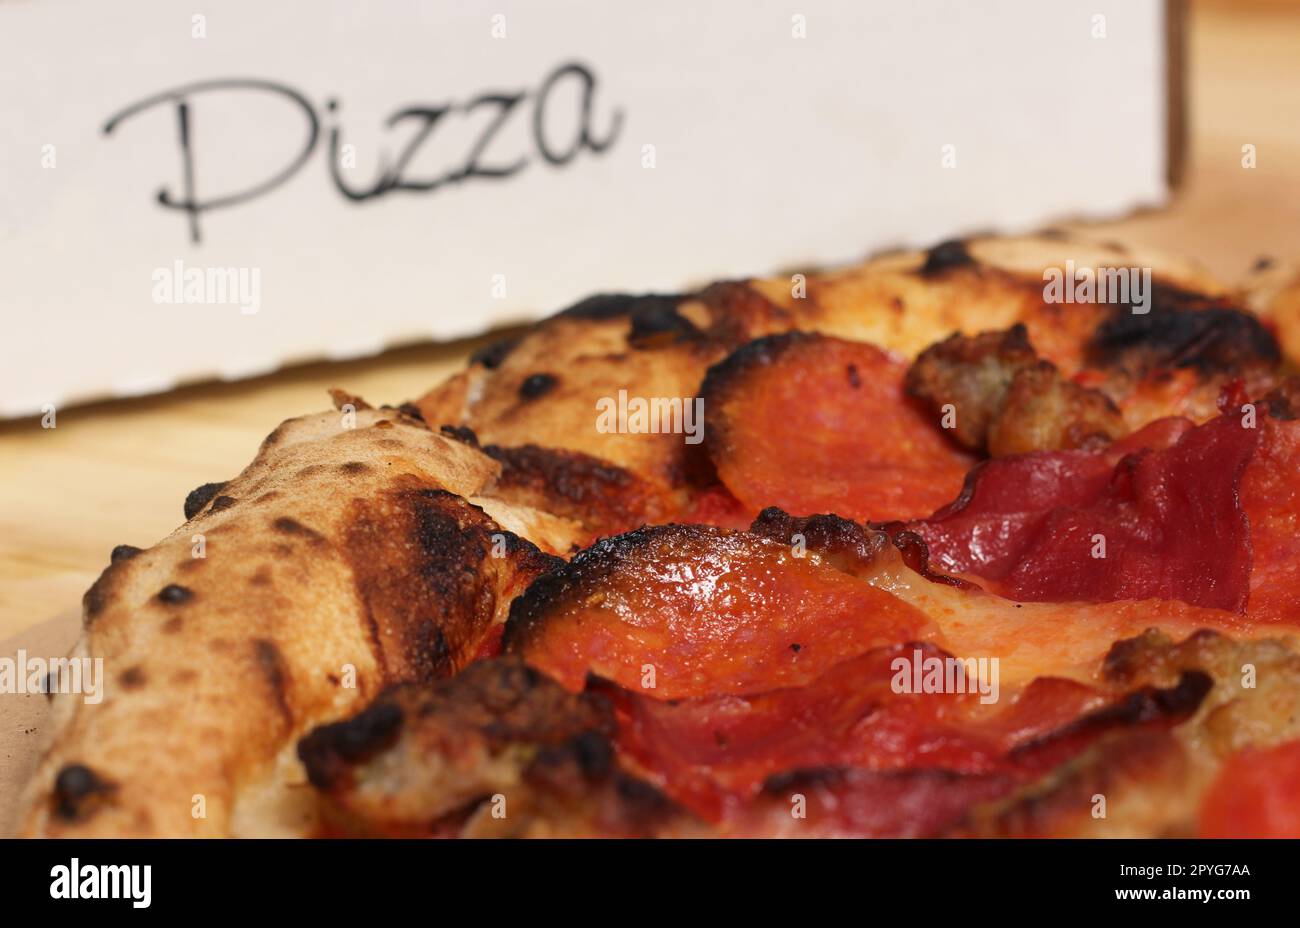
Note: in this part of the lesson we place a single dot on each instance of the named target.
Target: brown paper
(23, 717)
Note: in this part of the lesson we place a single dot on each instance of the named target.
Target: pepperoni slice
(676, 611)
(815, 424)
(1256, 795)
(714, 754)
(1162, 522)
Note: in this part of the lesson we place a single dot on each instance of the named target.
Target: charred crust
(945, 257)
(491, 356)
(461, 433)
(657, 323)
(288, 526)
(132, 678)
(202, 495)
(1182, 329)
(535, 385)
(76, 791)
(602, 496)
(411, 410)
(328, 751)
(173, 594)
(123, 553)
(222, 502)
(422, 562)
(737, 311)
(354, 468)
(606, 306)
(272, 666)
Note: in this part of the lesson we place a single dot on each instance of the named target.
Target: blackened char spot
(492, 355)
(604, 306)
(174, 594)
(200, 497)
(946, 256)
(594, 753)
(461, 433)
(74, 788)
(327, 751)
(657, 321)
(535, 385)
(1146, 705)
(222, 502)
(598, 494)
(1182, 329)
(410, 409)
(123, 553)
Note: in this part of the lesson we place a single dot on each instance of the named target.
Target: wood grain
(117, 472)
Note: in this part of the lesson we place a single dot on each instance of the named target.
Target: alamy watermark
(209, 286)
(639, 415)
(934, 674)
(1131, 285)
(22, 675)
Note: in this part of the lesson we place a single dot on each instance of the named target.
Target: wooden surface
(118, 472)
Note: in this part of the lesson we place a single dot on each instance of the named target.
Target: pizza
(910, 548)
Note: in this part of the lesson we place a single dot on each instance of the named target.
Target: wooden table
(117, 472)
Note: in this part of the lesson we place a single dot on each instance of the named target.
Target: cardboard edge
(1176, 123)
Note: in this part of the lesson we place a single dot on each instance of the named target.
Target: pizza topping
(1270, 498)
(851, 547)
(788, 427)
(676, 611)
(996, 395)
(1163, 522)
(437, 759)
(1255, 795)
(713, 754)
(837, 802)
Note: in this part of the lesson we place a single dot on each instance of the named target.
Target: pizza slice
(942, 556)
